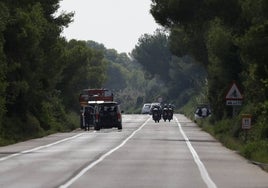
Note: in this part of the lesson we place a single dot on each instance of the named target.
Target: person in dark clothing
(87, 118)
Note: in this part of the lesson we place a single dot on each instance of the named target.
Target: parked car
(108, 115)
(146, 108)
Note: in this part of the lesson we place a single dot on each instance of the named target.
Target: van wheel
(119, 127)
(97, 127)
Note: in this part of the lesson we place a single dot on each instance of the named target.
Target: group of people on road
(202, 112)
(165, 112)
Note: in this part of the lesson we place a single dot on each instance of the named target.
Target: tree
(177, 78)
(229, 38)
(206, 30)
(153, 54)
(4, 16)
(224, 67)
(33, 50)
(84, 68)
(116, 77)
(253, 47)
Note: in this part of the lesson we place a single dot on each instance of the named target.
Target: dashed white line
(203, 171)
(91, 165)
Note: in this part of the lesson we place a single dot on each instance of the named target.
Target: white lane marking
(91, 165)
(203, 171)
(40, 147)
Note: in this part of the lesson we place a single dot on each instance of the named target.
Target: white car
(146, 108)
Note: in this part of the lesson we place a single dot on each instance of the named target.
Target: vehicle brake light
(97, 117)
(118, 116)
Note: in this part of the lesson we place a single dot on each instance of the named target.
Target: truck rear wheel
(119, 127)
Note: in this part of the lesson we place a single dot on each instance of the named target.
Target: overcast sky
(117, 24)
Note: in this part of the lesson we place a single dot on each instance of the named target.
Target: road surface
(144, 154)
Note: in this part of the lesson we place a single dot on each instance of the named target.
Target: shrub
(19, 129)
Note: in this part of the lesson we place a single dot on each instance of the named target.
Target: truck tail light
(97, 117)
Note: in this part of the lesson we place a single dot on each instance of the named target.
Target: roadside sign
(234, 93)
(234, 102)
(234, 96)
(246, 121)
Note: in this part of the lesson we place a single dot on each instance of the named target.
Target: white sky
(117, 24)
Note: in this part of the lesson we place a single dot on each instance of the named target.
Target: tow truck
(99, 110)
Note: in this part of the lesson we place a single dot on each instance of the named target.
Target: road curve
(143, 154)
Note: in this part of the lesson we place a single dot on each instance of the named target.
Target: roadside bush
(256, 151)
(53, 118)
(17, 129)
(72, 120)
(32, 127)
(20, 129)
(223, 127)
(248, 150)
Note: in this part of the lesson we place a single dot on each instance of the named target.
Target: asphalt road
(144, 154)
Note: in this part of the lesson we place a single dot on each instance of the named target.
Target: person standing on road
(87, 118)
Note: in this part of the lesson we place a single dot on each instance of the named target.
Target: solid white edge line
(39, 148)
(91, 165)
(203, 171)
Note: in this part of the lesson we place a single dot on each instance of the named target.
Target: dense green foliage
(180, 78)
(3, 65)
(41, 73)
(125, 77)
(84, 67)
(230, 39)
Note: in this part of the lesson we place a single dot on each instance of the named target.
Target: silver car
(146, 108)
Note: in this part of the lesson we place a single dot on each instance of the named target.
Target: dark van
(108, 115)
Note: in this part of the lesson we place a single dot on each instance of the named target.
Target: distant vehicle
(108, 115)
(95, 95)
(98, 110)
(170, 114)
(146, 108)
(155, 104)
(167, 112)
(156, 113)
